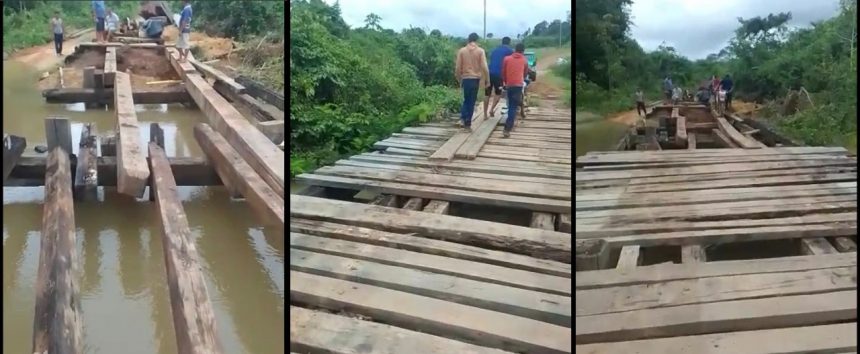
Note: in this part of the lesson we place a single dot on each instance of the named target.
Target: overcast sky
(695, 28)
(456, 17)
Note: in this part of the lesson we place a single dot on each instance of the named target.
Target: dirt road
(44, 58)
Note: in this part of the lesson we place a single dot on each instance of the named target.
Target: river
(595, 133)
(122, 280)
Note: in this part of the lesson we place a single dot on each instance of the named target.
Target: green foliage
(349, 89)
(238, 19)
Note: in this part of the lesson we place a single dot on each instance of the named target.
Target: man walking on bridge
(514, 70)
(495, 84)
(185, 31)
(99, 17)
(470, 70)
(728, 85)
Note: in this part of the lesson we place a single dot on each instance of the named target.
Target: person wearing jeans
(514, 71)
(470, 69)
(57, 28)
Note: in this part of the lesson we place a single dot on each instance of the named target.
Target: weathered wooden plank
(845, 244)
(255, 148)
(735, 235)
(718, 152)
(681, 162)
(437, 207)
(414, 204)
(834, 338)
(681, 129)
(86, 175)
(132, 170)
(312, 331)
(628, 258)
(516, 239)
(723, 139)
(713, 289)
(249, 106)
(386, 200)
(58, 132)
(257, 90)
(472, 145)
(816, 246)
(446, 151)
(216, 74)
(693, 170)
(110, 66)
(693, 254)
(743, 141)
(704, 184)
(268, 204)
(472, 166)
(176, 94)
(183, 68)
(443, 171)
(57, 323)
(432, 316)
(188, 171)
(440, 193)
(591, 254)
(555, 309)
(544, 221)
(564, 223)
(13, 147)
(193, 317)
(428, 246)
(728, 316)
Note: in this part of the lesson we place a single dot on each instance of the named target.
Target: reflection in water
(598, 135)
(124, 297)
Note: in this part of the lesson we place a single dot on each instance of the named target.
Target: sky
(697, 28)
(456, 17)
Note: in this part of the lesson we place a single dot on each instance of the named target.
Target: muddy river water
(122, 280)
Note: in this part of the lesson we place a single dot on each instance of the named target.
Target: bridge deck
(717, 251)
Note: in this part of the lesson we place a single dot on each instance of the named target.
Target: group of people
(716, 90)
(107, 24)
(508, 71)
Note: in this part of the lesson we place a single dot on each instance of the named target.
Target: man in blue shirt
(495, 85)
(185, 31)
(99, 17)
(153, 27)
(728, 85)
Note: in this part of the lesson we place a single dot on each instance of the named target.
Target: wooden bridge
(441, 241)
(746, 247)
(239, 141)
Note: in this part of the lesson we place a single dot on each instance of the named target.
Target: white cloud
(456, 17)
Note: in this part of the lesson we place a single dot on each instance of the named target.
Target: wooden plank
(845, 244)
(58, 132)
(555, 309)
(266, 202)
(193, 317)
(743, 141)
(110, 66)
(249, 106)
(660, 274)
(591, 254)
(735, 235)
(446, 151)
(816, 246)
(682, 162)
(692, 170)
(444, 171)
(176, 94)
(216, 74)
(489, 273)
(132, 170)
(523, 240)
(89, 79)
(681, 129)
(437, 207)
(414, 204)
(259, 91)
(183, 68)
(13, 147)
(544, 221)
(385, 200)
(255, 148)
(472, 166)
(693, 254)
(431, 316)
(628, 258)
(440, 193)
(470, 148)
(564, 223)
(713, 290)
(729, 316)
(86, 175)
(188, 171)
(703, 184)
(312, 331)
(429, 246)
(57, 320)
(833, 338)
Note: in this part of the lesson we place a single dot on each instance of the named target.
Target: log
(74, 95)
(266, 202)
(13, 147)
(193, 317)
(132, 170)
(188, 171)
(86, 175)
(57, 323)
(255, 148)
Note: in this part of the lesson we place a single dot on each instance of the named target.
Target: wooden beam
(437, 207)
(188, 171)
(545, 221)
(414, 204)
(844, 244)
(216, 74)
(110, 67)
(693, 254)
(193, 318)
(517, 239)
(681, 129)
(724, 140)
(58, 132)
(815, 246)
(449, 148)
(249, 106)
(255, 148)
(591, 254)
(132, 170)
(273, 129)
(628, 258)
(257, 90)
(316, 330)
(73, 95)
(691, 142)
(268, 204)
(438, 317)
(86, 175)
(57, 321)
(13, 147)
(386, 200)
(736, 136)
(564, 223)
(470, 148)
(182, 69)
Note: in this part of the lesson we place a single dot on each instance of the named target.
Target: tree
(372, 22)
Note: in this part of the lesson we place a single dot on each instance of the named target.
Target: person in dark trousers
(514, 70)
(58, 28)
(99, 16)
(470, 70)
(495, 85)
(640, 102)
(667, 89)
(728, 85)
